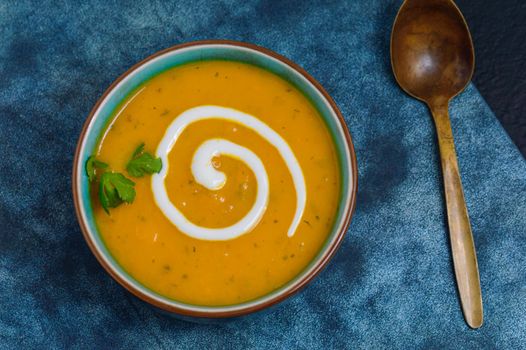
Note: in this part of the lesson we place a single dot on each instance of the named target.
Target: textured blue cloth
(391, 283)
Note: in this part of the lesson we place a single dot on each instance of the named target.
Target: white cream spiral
(206, 175)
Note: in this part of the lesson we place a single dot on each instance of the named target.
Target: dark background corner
(499, 34)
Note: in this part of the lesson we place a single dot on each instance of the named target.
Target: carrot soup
(244, 189)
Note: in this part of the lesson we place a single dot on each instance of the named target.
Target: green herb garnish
(114, 189)
(143, 163)
(91, 165)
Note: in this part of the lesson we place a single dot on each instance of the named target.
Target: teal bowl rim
(102, 112)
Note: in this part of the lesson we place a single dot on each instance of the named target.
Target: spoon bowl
(432, 58)
(431, 50)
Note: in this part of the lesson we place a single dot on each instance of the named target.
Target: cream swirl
(206, 175)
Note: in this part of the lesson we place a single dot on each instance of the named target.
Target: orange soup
(160, 251)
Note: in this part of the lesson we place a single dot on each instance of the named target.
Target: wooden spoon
(433, 60)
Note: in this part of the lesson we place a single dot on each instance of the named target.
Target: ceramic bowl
(191, 52)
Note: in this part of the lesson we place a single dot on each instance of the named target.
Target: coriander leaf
(91, 165)
(114, 189)
(100, 164)
(125, 188)
(138, 151)
(143, 163)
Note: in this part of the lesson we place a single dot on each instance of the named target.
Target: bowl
(191, 52)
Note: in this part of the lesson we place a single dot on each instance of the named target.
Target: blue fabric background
(391, 283)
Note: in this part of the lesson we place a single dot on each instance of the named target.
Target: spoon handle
(461, 239)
